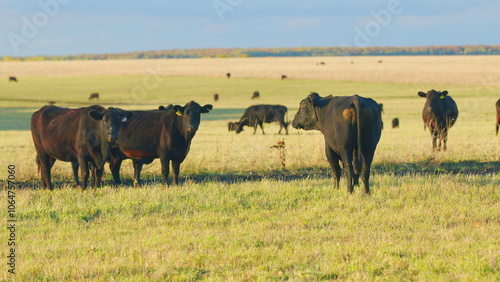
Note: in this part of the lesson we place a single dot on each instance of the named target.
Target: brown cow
(216, 97)
(498, 115)
(439, 114)
(81, 136)
(255, 94)
(94, 96)
(164, 134)
(395, 123)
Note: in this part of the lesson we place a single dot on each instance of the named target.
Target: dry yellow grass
(447, 70)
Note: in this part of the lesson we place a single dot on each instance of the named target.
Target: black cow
(283, 77)
(94, 96)
(80, 136)
(255, 94)
(258, 114)
(351, 126)
(439, 114)
(164, 134)
(498, 115)
(228, 75)
(395, 123)
(12, 79)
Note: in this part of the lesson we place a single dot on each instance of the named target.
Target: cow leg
(114, 166)
(445, 139)
(333, 158)
(349, 171)
(434, 139)
(175, 172)
(137, 172)
(75, 166)
(261, 124)
(165, 163)
(84, 171)
(45, 163)
(97, 176)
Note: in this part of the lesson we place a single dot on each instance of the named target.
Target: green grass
(238, 216)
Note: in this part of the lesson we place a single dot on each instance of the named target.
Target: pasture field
(237, 215)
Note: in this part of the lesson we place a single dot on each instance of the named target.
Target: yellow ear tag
(178, 113)
(442, 97)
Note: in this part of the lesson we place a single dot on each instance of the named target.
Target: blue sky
(62, 27)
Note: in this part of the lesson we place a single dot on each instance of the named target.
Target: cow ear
(95, 115)
(422, 94)
(444, 93)
(129, 114)
(205, 109)
(179, 110)
(314, 97)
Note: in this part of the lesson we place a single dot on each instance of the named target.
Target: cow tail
(357, 106)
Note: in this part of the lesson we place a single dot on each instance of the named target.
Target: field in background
(237, 215)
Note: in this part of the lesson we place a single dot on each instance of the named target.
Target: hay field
(236, 214)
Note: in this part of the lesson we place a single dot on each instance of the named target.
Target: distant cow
(12, 79)
(351, 126)
(255, 94)
(165, 134)
(81, 136)
(216, 97)
(283, 76)
(439, 114)
(228, 75)
(94, 96)
(498, 115)
(395, 123)
(258, 114)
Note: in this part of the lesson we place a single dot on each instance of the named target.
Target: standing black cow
(258, 114)
(255, 95)
(351, 126)
(80, 136)
(164, 134)
(439, 114)
(12, 79)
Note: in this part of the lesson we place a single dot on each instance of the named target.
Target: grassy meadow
(237, 215)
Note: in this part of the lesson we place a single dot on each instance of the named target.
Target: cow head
(190, 115)
(231, 126)
(433, 109)
(306, 117)
(110, 121)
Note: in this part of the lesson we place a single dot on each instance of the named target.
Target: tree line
(277, 52)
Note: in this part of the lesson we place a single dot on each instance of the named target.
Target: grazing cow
(94, 96)
(380, 61)
(283, 76)
(80, 136)
(216, 97)
(228, 75)
(255, 94)
(395, 123)
(258, 114)
(498, 115)
(351, 126)
(164, 134)
(439, 114)
(12, 79)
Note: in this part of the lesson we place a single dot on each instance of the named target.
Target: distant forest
(277, 52)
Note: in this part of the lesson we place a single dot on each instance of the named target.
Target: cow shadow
(430, 167)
